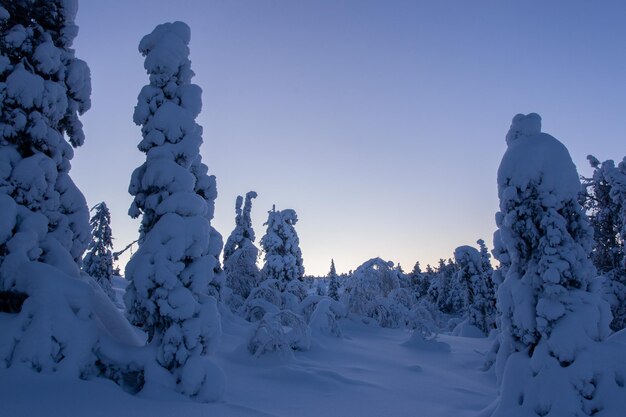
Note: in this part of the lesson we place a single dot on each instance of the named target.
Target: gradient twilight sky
(381, 123)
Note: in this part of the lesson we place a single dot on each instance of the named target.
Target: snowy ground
(368, 372)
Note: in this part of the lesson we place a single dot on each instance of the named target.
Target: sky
(381, 123)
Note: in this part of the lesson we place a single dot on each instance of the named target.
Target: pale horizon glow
(381, 123)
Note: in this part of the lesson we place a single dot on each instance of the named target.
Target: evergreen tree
(283, 257)
(333, 282)
(603, 199)
(370, 284)
(170, 273)
(480, 309)
(59, 323)
(551, 313)
(240, 253)
(420, 281)
(604, 214)
(98, 262)
(490, 287)
(44, 88)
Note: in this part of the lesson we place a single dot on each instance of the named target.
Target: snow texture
(170, 274)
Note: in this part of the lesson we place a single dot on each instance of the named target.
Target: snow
(371, 372)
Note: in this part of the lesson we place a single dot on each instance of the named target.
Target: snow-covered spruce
(603, 200)
(333, 282)
(553, 318)
(43, 88)
(283, 257)
(98, 261)
(169, 275)
(240, 255)
(62, 320)
(444, 291)
(479, 303)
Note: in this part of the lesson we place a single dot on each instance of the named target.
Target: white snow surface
(370, 371)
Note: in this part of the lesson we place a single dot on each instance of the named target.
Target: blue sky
(381, 123)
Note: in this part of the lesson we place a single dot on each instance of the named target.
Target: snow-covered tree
(206, 188)
(61, 321)
(240, 253)
(43, 88)
(98, 261)
(419, 281)
(490, 286)
(603, 199)
(552, 315)
(444, 291)
(283, 257)
(604, 215)
(368, 288)
(333, 282)
(170, 273)
(480, 309)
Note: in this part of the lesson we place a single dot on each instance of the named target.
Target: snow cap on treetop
(166, 48)
(537, 158)
(523, 125)
(467, 251)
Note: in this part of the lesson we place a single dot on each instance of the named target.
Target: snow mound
(418, 341)
(66, 324)
(323, 320)
(465, 329)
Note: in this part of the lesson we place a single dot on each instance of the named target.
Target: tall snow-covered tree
(333, 282)
(43, 88)
(240, 253)
(63, 324)
(98, 261)
(552, 314)
(283, 257)
(170, 273)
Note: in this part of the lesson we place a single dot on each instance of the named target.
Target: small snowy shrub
(279, 332)
(369, 283)
(324, 320)
(266, 298)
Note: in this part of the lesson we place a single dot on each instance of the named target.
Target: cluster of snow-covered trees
(561, 253)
